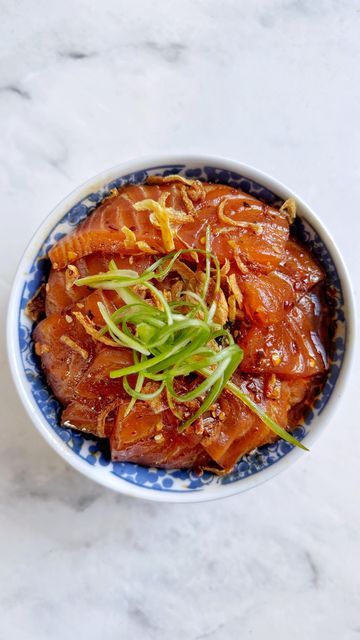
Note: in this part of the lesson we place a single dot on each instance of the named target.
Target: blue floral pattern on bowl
(92, 450)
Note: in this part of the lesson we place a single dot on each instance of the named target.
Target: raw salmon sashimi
(96, 396)
(260, 240)
(300, 268)
(241, 431)
(292, 347)
(96, 382)
(66, 349)
(95, 418)
(151, 438)
(102, 230)
(268, 299)
(241, 225)
(60, 290)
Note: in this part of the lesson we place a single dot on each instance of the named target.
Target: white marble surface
(84, 85)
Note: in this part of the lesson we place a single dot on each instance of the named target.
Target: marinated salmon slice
(292, 347)
(266, 298)
(65, 348)
(86, 417)
(292, 394)
(80, 416)
(240, 225)
(89, 306)
(96, 416)
(102, 230)
(58, 295)
(61, 292)
(241, 431)
(152, 439)
(270, 297)
(96, 381)
(259, 242)
(240, 427)
(300, 268)
(96, 396)
(66, 351)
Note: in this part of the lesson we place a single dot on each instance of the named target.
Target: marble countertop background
(83, 86)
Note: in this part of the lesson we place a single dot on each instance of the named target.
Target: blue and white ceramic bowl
(84, 452)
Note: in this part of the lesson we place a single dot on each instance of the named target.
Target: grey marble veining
(274, 83)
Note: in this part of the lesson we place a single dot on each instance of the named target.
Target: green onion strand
(173, 339)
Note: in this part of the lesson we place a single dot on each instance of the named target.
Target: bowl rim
(93, 184)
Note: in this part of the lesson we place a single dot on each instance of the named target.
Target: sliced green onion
(172, 343)
(209, 400)
(138, 386)
(137, 395)
(144, 331)
(123, 339)
(269, 422)
(202, 387)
